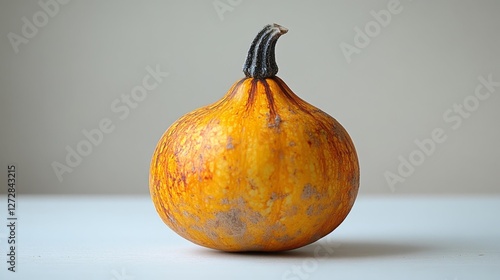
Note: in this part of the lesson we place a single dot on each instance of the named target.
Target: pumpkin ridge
(291, 95)
(274, 119)
(252, 92)
(235, 88)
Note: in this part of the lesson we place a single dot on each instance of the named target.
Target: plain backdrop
(394, 73)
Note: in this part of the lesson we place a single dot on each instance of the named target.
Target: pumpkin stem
(261, 62)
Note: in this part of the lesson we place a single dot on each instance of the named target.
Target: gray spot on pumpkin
(255, 217)
(274, 230)
(285, 238)
(292, 211)
(242, 211)
(252, 184)
(190, 215)
(197, 228)
(309, 191)
(313, 138)
(212, 235)
(310, 210)
(231, 222)
(229, 144)
(274, 123)
(275, 196)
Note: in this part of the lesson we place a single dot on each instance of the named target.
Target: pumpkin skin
(258, 170)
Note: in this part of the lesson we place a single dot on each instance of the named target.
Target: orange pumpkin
(258, 170)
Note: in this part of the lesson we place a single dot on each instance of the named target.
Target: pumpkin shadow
(351, 249)
(256, 254)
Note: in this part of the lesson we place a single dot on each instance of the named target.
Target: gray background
(393, 92)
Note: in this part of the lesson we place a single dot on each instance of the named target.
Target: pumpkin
(258, 170)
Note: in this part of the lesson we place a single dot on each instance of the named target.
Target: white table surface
(122, 238)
